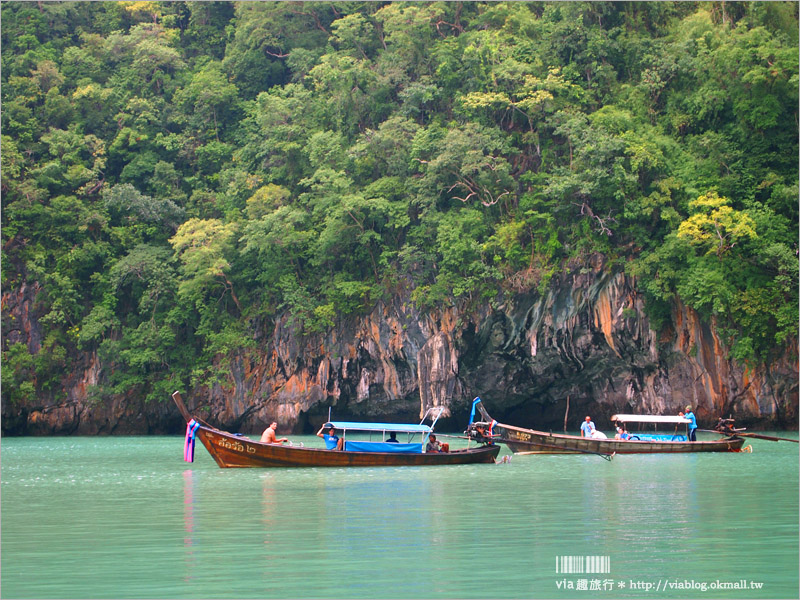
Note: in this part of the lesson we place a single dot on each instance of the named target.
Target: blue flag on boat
(188, 446)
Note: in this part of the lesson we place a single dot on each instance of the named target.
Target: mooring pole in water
(566, 414)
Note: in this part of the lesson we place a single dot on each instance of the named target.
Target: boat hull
(530, 441)
(236, 451)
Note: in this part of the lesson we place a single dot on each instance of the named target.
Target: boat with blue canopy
(668, 435)
(658, 423)
(378, 435)
(364, 445)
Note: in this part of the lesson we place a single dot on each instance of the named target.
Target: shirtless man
(268, 437)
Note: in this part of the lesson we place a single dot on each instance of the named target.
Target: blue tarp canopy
(382, 447)
(396, 427)
(652, 437)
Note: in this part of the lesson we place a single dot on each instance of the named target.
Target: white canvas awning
(396, 427)
(664, 419)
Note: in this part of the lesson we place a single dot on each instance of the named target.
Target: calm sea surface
(125, 517)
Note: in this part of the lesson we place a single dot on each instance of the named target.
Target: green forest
(177, 176)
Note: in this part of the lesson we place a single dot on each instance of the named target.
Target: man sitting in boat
(332, 441)
(268, 437)
(434, 446)
(622, 434)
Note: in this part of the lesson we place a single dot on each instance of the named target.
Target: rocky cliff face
(583, 348)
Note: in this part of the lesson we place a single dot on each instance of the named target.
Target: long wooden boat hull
(530, 441)
(235, 451)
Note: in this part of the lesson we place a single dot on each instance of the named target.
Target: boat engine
(479, 432)
(725, 426)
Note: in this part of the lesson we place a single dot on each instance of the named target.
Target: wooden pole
(181, 406)
(566, 414)
(752, 435)
(768, 437)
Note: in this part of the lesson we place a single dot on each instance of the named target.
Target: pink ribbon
(188, 445)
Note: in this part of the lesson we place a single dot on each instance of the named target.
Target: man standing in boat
(587, 427)
(268, 437)
(693, 425)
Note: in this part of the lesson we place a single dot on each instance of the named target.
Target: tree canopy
(173, 172)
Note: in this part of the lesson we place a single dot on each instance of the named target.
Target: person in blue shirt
(332, 441)
(587, 427)
(693, 425)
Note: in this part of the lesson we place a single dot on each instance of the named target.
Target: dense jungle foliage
(178, 175)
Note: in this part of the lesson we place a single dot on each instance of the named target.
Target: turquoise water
(125, 517)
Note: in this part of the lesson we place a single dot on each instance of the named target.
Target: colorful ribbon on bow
(188, 446)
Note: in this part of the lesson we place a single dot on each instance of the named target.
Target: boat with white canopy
(665, 434)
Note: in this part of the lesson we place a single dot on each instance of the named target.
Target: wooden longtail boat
(231, 450)
(531, 441)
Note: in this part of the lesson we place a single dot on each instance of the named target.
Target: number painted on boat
(235, 446)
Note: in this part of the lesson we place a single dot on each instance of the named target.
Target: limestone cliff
(585, 347)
